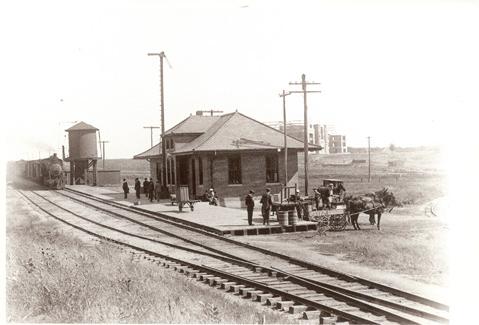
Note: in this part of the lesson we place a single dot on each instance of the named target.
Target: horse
(371, 204)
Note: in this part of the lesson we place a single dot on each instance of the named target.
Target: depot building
(232, 153)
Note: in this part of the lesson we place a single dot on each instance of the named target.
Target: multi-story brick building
(337, 143)
(232, 153)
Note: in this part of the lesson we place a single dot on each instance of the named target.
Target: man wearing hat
(249, 201)
(267, 203)
(299, 207)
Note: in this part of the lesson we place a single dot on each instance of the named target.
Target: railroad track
(290, 284)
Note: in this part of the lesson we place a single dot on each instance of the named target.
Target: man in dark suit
(126, 189)
(145, 187)
(266, 204)
(151, 189)
(137, 187)
(249, 201)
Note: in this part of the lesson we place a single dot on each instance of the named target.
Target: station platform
(216, 219)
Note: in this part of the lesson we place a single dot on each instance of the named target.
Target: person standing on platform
(137, 188)
(249, 201)
(126, 189)
(317, 197)
(266, 204)
(145, 187)
(151, 189)
(299, 205)
(157, 190)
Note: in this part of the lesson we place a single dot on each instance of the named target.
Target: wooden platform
(216, 219)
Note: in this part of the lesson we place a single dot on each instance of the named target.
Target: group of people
(150, 189)
(266, 205)
(323, 194)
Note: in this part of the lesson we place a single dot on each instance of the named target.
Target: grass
(410, 253)
(417, 180)
(53, 277)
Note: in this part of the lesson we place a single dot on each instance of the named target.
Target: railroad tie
(295, 309)
(237, 287)
(212, 281)
(262, 298)
(253, 294)
(311, 314)
(272, 301)
(328, 319)
(244, 291)
(284, 304)
(227, 286)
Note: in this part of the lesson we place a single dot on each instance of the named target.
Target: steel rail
(307, 302)
(292, 260)
(331, 290)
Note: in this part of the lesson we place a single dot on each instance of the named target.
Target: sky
(401, 72)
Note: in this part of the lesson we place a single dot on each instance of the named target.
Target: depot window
(272, 168)
(234, 170)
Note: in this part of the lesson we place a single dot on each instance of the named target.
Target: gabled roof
(229, 132)
(235, 131)
(81, 126)
(153, 152)
(193, 124)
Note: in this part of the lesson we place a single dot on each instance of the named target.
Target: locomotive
(48, 172)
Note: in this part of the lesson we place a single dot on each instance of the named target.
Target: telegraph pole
(284, 94)
(303, 84)
(162, 55)
(151, 132)
(369, 159)
(103, 154)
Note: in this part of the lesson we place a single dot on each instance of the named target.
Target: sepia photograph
(239, 161)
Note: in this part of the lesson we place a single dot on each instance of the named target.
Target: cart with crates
(182, 198)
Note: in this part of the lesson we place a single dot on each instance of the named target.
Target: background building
(319, 134)
(337, 143)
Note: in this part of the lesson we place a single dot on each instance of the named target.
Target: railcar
(48, 172)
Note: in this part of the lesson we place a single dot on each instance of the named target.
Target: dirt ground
(409, 252)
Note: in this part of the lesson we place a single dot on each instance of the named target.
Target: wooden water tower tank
(82, 153)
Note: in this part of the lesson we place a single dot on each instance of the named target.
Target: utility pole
(151, 132)
(103, 153)
(284, 94)
(369, 159)
(211, 111)
(303, 84)
(162, 55)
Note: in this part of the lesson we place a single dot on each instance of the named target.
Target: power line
(304, 84)
(151, 132)
(162, 55)
(283, 95)
(103, 153)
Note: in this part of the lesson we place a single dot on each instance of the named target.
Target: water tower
(82, 153)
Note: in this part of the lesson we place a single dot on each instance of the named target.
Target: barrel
(282, 218)
(292, 217)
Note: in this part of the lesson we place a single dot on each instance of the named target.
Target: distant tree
(392, 147)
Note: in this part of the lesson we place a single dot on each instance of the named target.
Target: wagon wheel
(337, 222)
(323, 223)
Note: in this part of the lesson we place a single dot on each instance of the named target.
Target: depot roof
(228, 132)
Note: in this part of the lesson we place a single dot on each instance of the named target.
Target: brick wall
(253, 175)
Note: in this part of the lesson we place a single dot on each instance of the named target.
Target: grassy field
(54, 277)
(414, 176)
